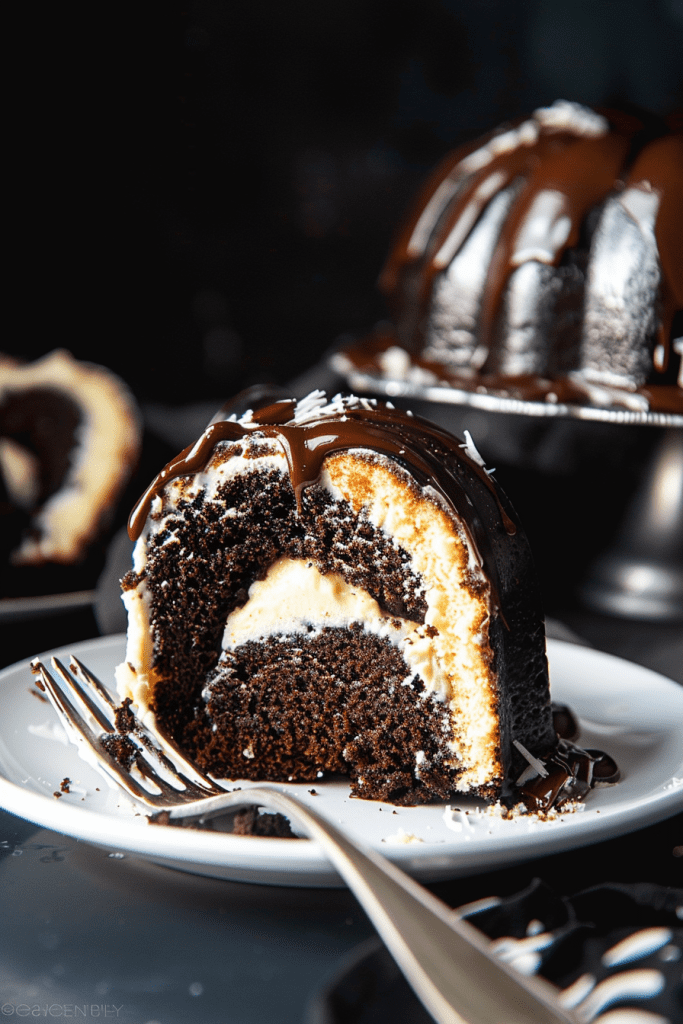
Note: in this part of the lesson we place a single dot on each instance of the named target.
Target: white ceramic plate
(632, 713)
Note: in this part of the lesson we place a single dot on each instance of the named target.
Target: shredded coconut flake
(470, 448)
(564, 115)
(402, 838)
(533, 761)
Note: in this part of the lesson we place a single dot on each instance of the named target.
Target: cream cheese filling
(295, 597)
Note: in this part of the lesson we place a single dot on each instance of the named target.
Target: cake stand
(639, 575)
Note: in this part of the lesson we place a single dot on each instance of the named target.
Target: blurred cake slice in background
(70, 439)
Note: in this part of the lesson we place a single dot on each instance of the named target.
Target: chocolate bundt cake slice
(331, 587)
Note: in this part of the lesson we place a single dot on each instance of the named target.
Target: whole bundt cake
(545, 263)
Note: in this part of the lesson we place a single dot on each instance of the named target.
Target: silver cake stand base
(641, 575)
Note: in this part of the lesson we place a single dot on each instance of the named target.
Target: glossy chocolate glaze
(582, 172)
(579, 172)
(571, 771)
(660, 166)
(432, 456)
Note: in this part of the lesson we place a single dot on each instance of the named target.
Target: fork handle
(445, 959)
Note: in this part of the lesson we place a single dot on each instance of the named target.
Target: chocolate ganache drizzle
(568, 772)
(579, 171)
(589, 205)
(432, 456)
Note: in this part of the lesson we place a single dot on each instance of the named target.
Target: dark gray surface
(116, 938)
(86, 929)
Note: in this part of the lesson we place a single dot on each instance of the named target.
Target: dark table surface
(89, 935)
(122, 939)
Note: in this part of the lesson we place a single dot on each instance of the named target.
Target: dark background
(202, 196)
(205, 192)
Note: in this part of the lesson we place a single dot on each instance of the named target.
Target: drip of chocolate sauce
(581, 173)
(432, 456)
(572, 771)
(366, 357)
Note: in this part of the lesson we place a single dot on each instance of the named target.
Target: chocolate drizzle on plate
(570, 770)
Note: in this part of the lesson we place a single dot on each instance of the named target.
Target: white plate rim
(277, 861)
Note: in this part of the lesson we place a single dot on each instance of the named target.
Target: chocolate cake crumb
(124, 718)
(250, 822)
(246, 822)
(379, 728)
(164, 818)
(64, 787)
(161, 818)
(122, 748)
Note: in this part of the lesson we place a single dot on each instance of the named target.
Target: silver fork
(446, 960)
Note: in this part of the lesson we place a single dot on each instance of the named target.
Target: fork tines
(116, 742)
